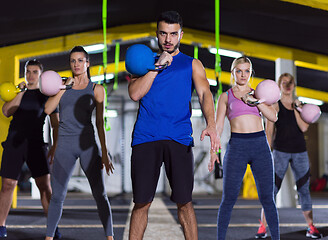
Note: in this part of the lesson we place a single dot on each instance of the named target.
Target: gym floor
(80, 219)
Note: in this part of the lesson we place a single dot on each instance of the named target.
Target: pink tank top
(237, 107)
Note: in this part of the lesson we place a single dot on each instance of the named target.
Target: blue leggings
(243, 149)
(69, 148)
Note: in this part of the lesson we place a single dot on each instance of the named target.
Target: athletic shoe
(57, 234)
(261, 233)
(312, 232)
(3, 231)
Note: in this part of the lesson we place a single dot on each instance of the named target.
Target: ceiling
(271, 21)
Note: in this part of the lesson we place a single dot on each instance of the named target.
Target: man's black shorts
(146, 162)
(15, 153)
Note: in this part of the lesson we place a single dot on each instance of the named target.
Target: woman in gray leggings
(76, 139)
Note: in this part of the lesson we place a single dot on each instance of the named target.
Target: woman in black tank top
(289, 147)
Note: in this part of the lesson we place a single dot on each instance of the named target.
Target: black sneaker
(3, 231)
(57, 234)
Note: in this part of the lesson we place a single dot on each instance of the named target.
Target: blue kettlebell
(139, 59)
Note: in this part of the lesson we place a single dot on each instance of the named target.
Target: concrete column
(287, 196)
(323, 142)
(35, 193)
(285, 66)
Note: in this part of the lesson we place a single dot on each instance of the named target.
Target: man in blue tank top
(163, 131)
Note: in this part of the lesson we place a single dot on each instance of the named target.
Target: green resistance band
(217, 55)
(117, 61)
(196, 51)
(104, 20)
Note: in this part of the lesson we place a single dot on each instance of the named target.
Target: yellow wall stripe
(133, 32)
(225, 79)
(300, 91)
(320, 4)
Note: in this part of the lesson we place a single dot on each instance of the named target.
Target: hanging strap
(117, 61)
(196, 51)
(217, 55)
(104, 20)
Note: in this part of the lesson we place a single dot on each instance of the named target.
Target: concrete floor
(80, 219)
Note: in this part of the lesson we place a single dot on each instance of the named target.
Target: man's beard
(170, 52)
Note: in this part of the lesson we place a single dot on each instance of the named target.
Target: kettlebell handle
(160, 67)
(299, 109)
(18, 89)
(66, 87)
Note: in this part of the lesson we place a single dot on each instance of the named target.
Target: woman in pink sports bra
(247, 145)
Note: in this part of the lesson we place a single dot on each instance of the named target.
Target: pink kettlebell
(267, 92)
(310, 113)
(51, 83)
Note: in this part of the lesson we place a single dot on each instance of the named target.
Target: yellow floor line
(168, 207)
(65, 226)
(243, 206)
(204, 225)
(73, 207)
(256, 225)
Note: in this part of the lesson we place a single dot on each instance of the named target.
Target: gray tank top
(75, 111)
